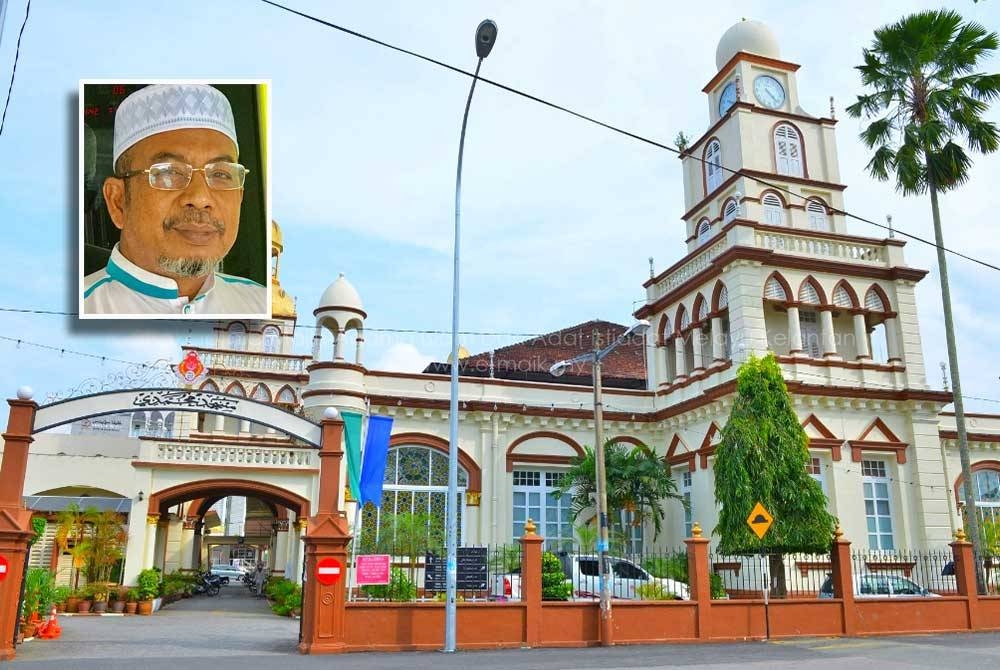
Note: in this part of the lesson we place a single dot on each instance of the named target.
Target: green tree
(637, 482)
(96, 541)
(925, 99)
(406, 534)
(762, 458)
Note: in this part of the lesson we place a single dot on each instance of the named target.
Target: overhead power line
(616, 129)
(17, 53)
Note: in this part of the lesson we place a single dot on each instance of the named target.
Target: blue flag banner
(373, 468)
(352, 438)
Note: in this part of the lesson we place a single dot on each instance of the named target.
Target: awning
(60, 503)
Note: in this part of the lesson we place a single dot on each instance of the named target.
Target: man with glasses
(175, 195)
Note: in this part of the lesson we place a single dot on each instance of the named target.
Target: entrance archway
(327, 527)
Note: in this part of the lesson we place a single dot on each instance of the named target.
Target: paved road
(237, 632)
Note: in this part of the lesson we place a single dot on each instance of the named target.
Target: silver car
(227, 572)
(880, 586)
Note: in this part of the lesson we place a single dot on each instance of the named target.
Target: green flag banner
(352, 436)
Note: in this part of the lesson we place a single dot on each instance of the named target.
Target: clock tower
(757, 128)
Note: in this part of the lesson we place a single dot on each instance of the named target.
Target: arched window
(818, 218)
(729, 211)
(723, 298)
(874, 302)
(808, 293)
(272, 340)
(261, 393)
(702, 310)
(685, 320)
(986, 486)
(841, 298)
(773, 290)
(236, 389)
(210, 386)
(713, 166)
(774, 211)
(787, 150)
(416, 485)
(286, 396)
(238, 337)
(704, 231)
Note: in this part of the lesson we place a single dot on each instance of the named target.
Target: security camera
(486, 37)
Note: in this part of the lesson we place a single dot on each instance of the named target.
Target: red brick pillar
(531, 584)
(843, 584)
(699, 580)
(965, 576)
(324, 606)
(15, 521)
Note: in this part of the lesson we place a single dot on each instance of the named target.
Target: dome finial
(747, 36)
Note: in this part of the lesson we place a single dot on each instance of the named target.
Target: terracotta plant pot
(61, 608)
(72, 603)
(83, 607)
(130, 607)
(118, 606)
(100, 607)
(28, 629)
(145, 607)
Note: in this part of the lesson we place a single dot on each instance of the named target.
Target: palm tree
(927, 100)
(637, 482)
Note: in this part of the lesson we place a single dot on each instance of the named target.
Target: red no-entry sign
(328, 571)
(4, 568)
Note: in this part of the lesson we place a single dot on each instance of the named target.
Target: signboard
(185, 400)
(328, 571)
(4, 568)
(372, 569)
(760, 521)
(471, 570)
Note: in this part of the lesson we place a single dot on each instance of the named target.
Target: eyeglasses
(177, 176)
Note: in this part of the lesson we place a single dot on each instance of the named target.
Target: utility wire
(17, 52)
(616, 129)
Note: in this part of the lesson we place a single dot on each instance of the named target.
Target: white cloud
(402, 357)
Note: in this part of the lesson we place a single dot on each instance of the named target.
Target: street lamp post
(595, 357)
(486, 35)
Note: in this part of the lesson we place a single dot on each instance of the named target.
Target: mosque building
(766, 269)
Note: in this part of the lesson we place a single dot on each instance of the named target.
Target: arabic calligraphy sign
(193, 400)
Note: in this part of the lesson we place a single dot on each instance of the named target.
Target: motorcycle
(208, 583)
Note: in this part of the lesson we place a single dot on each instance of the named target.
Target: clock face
(728, 98)
(769, 91)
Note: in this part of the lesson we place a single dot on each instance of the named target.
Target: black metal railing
(780, 575)
(903, 572)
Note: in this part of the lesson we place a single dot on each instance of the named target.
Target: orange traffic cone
(49, 630)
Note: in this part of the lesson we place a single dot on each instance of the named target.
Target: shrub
(132, 595)
(148, 584)
(718, 587)
(674, 567)
(399, 588)
(554, 586)
(39, 589)
(654, 591)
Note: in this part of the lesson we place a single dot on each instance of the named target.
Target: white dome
(341, 294)
(749, 36)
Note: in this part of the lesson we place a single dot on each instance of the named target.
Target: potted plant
(118, 604)
(148, 583)
(86, 602)
(61, 596)
(131, 601)
(73, 601)
(99, 593)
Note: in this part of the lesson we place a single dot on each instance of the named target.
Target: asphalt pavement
(237, 632)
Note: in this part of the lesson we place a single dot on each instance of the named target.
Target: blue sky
(559, 216)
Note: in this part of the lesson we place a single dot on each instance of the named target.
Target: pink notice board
(373, 569)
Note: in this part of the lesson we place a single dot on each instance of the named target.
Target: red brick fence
(534, 623)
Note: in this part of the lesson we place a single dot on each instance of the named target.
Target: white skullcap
(162, 107)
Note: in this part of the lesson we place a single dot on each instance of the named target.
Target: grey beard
(188, 268)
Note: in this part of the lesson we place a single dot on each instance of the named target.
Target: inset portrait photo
(174, 200)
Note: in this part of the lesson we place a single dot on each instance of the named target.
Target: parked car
(582, 573)
(227, 572)
(880, 586)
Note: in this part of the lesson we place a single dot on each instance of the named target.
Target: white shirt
(123, 288)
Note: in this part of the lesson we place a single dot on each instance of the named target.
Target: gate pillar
(326, 541)
(15, 520)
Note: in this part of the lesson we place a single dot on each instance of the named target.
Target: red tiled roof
(531, 359)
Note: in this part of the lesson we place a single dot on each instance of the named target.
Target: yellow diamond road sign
(760, 521)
